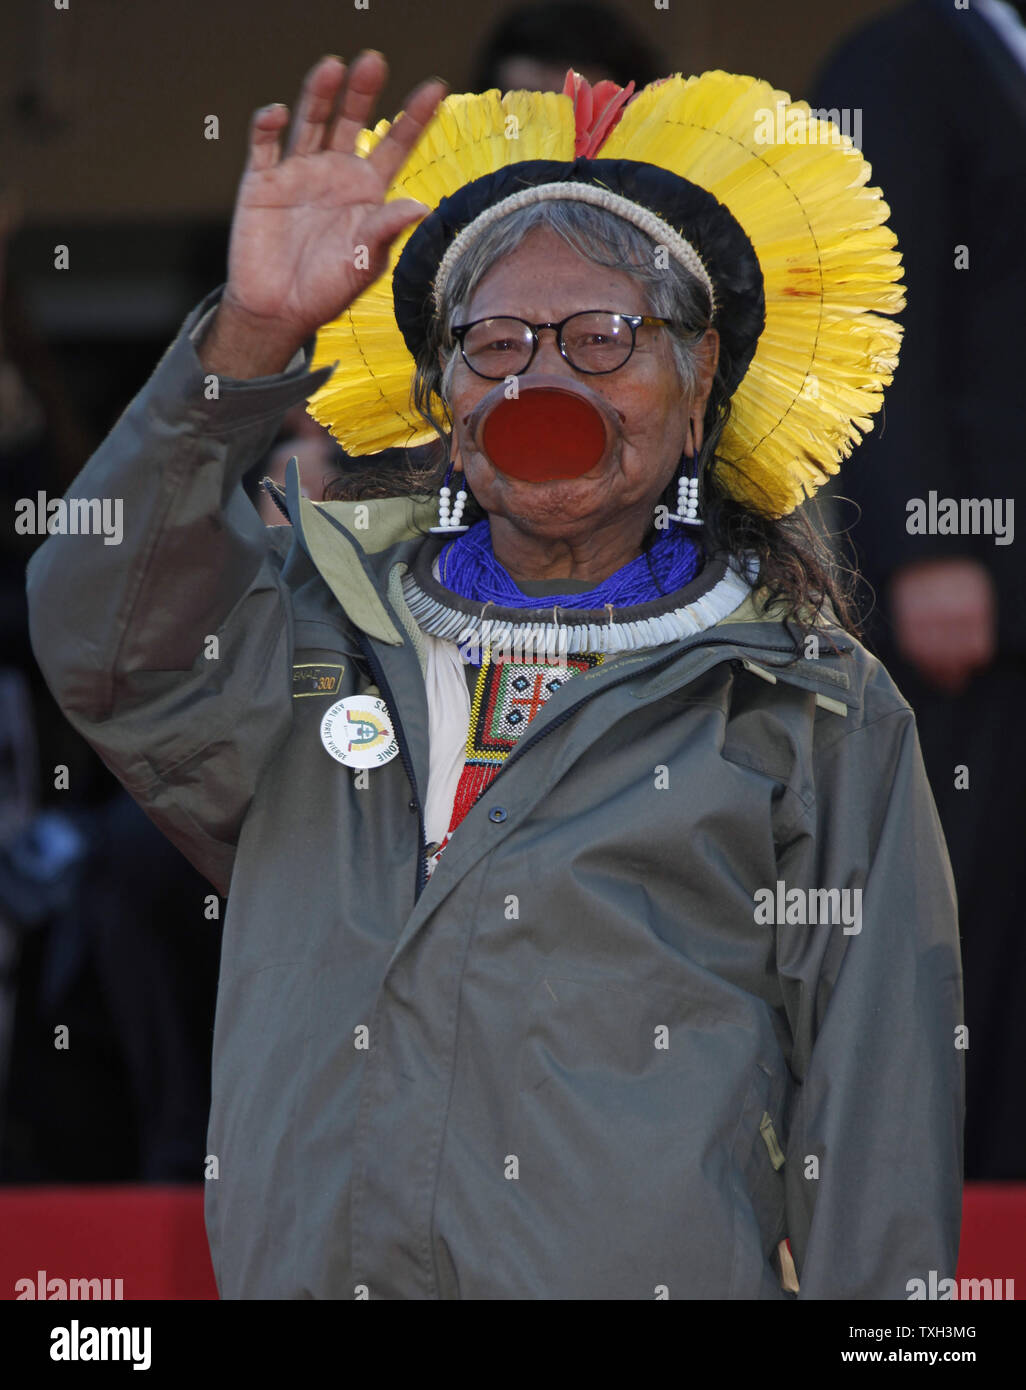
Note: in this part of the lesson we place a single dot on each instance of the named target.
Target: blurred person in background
(326, 472)
(532, 46)
(321, 463)
(941, 92)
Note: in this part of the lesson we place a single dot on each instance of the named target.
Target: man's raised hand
(311, 228)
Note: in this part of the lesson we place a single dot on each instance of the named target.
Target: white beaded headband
(661, 232)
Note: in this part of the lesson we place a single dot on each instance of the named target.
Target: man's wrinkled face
(544, 280)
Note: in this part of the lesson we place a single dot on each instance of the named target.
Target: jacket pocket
(632, 1136)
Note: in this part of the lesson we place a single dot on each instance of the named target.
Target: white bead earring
(687, 495)
(449, 513)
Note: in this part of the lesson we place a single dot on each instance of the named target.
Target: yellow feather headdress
(796, 185)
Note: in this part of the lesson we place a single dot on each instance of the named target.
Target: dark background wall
(103, 103)
(103, 107)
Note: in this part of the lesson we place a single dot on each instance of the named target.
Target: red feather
(596, 111)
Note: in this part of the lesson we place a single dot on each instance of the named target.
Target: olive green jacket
(590, 1057)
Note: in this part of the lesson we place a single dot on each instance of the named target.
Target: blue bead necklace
(468, 567)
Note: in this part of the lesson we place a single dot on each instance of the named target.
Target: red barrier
(994, 1234)
(153, 1240)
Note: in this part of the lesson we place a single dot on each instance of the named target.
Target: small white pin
(358, 731)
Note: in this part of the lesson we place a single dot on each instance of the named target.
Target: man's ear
(707, 356)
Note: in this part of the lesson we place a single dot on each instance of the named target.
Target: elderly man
(590, 931)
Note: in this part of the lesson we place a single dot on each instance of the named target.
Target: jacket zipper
(404, 755)
(656, 666)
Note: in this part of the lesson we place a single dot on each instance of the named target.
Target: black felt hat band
(691, 211)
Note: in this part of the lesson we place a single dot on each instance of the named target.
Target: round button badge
(358, 731)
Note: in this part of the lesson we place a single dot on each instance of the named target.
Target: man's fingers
(365, 79)
(389, 154)
(316, 104)
(265, 130)
(385, 224)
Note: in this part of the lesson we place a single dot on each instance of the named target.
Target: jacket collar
(355, 547)
(352, 546)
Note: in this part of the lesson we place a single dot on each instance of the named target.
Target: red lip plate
(544, 434)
